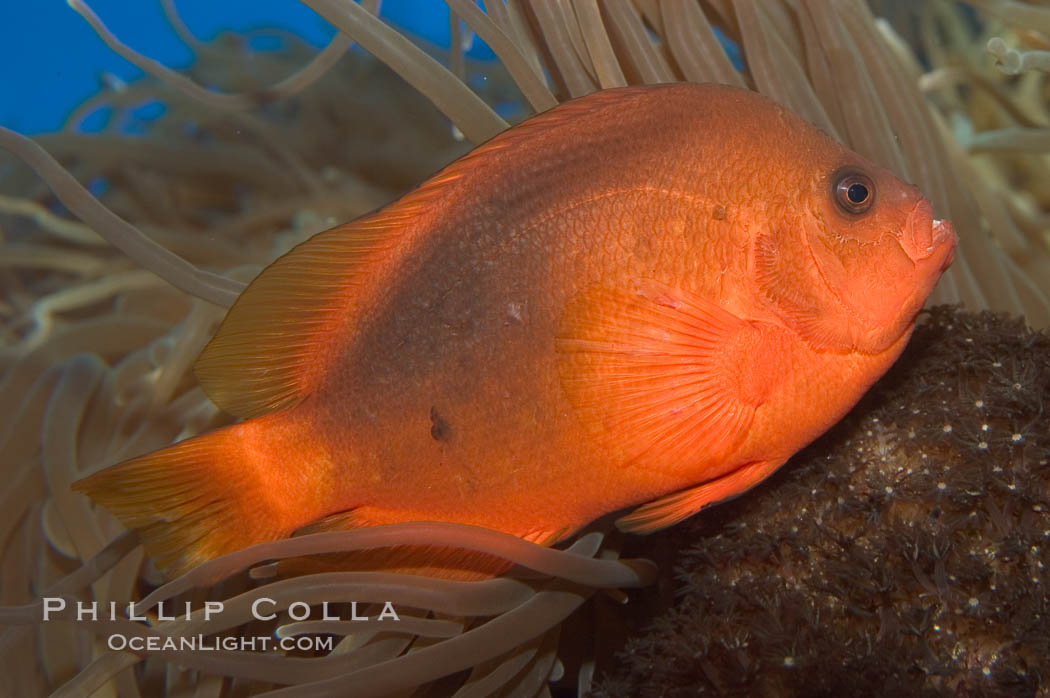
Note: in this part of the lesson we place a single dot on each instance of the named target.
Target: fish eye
(854, 192)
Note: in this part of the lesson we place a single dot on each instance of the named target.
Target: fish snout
(924, 237)
(944, 238)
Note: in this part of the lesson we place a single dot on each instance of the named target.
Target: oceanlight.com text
(262, 643)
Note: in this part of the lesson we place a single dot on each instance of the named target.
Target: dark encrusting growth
(906, 553)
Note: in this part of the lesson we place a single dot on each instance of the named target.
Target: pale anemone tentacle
(118, 232)
(471, 115)
(291, 85)
(513, 604)
(177, 23)
(62, 228)
(1014, 62)
(234, 102)
(525, 75)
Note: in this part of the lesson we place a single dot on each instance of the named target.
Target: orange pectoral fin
(679, 506)
(661, 375)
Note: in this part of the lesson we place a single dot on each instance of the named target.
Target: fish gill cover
(248, 152)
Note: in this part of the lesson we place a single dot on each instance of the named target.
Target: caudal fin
(203, 497)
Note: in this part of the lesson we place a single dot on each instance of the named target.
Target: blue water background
(51, 60)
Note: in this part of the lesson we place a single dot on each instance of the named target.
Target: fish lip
(918, 238)
(944, 234)
(924, 236)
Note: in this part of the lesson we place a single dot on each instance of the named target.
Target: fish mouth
(944, 236)
(927, 239)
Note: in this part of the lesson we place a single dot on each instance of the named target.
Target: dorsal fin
(270, 350)
(265, 355)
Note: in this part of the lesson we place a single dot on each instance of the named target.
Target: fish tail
(213, 494)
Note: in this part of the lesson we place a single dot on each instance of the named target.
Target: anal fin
(339, 521)
(669, 510)
(424, 560)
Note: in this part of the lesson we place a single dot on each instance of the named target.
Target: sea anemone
(98, 342)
